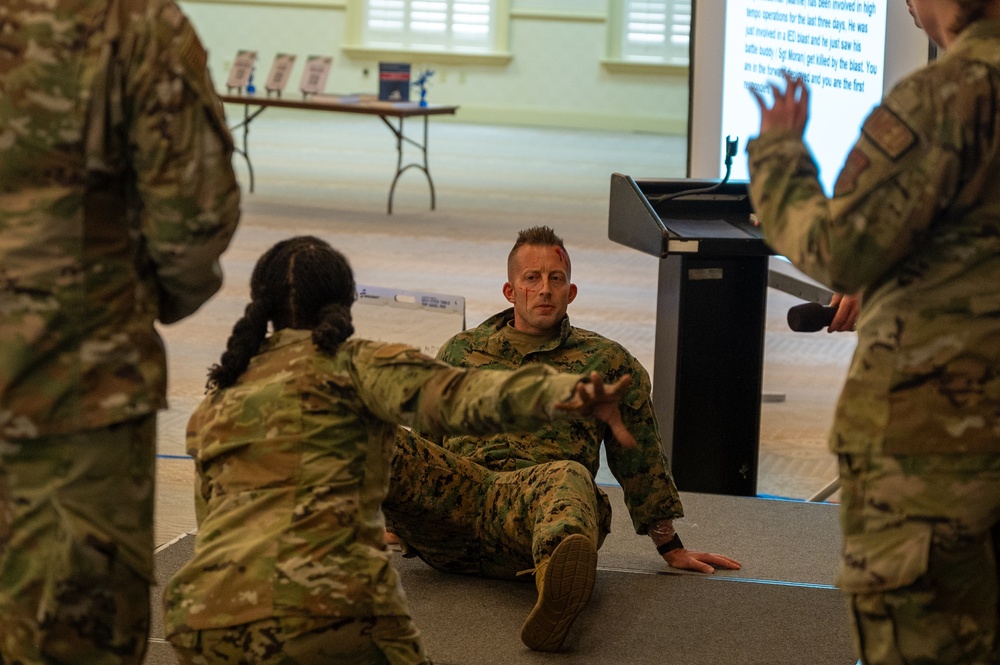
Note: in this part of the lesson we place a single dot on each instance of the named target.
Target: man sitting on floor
(508, 504)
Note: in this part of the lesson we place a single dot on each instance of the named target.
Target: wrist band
(671, 545)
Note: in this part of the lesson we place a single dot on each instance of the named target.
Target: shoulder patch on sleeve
(856, 164)
(889, 133)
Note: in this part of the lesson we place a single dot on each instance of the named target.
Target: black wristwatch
(671, 545)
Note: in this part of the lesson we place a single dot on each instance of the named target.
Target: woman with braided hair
(292, 447)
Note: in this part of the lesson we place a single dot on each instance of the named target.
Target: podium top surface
(663, 217)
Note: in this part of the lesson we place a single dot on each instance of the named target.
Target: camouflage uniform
(293, 463)
(915, 221)
(116, 198)
(498, 505)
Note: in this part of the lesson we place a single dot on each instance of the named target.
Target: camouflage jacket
(293, 464)
(650, 494)
(117, 196)
(915, 222)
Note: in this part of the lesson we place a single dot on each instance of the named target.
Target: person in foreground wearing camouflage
(292, 449)
(512, 503)
(914, 221)
(117, 197)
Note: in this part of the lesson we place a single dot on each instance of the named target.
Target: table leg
(245, 125)
(400, 167)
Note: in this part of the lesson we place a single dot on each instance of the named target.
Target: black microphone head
(810, 317)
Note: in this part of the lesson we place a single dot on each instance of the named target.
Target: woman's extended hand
(594, 397)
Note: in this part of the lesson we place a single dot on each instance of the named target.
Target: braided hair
(299, 283)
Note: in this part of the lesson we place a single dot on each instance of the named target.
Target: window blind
(656, 31)
(430, 24)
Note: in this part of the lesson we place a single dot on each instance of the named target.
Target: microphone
(810, 317)
(731, 144)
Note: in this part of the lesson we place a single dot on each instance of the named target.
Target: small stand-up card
(314, 75)
(277, 78)
(242, 70)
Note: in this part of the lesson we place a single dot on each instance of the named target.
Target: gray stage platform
(781, 608)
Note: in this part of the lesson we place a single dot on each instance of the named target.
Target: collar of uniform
(526, 342)
(491, 330)
(982, 29)
(285, 337)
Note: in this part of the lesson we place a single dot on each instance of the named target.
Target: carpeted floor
(779, 609)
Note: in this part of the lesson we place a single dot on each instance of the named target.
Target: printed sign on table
(277, 78)
(315, 73)
(239, 73)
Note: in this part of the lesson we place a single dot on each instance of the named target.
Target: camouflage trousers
(461, 517)
(305, 641)
(76, 545)
(919, 562)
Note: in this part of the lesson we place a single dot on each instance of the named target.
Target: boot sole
(569, 581)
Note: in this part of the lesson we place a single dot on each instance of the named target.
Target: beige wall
(556, 75)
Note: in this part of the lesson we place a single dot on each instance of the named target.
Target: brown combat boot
(564, 583)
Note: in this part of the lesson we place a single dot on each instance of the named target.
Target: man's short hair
(540, 236)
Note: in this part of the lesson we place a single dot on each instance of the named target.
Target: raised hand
(790, 109)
